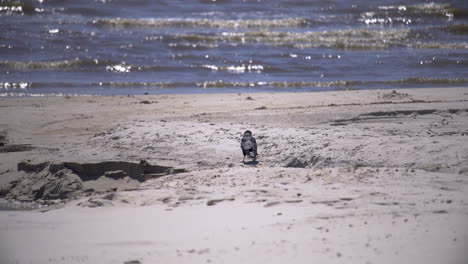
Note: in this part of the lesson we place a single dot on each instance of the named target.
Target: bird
(249, 145)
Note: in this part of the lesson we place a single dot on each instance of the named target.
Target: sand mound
(304, 160)
(43, 181)
(51, 181)
(5, 146)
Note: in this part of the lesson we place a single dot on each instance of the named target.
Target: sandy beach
(369, 176)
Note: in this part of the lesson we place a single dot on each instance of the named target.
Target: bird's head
(247, 133)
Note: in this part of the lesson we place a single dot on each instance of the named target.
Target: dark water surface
(198, 46)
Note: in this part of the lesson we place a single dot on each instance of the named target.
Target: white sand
(343, 177)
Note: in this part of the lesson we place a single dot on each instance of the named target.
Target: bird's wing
(254, 147)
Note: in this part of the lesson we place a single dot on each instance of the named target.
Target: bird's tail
(252, 154)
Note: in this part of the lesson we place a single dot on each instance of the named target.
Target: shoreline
(250, 91)
(228, 92)
(375, 176)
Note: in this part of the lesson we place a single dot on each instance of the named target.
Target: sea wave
(408, 14)
(361, 38)
(353, 39)
(252, 68)
(441, 63)
(437, 45)
(204, 23)
(57, 64)
(22, 94)
(138, 84)
(19, 8)
(459, 29)
(11, 88)
(436, 9)
(423, 80)
(330, 84)
(14, 85)
(85, 64)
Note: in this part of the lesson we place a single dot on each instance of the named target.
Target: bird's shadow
(252, 162)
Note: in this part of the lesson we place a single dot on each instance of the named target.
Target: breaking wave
(204, 23)
(440, 81)
(330, 84)
(37, 65)
(85, 65)
(19, 8)
(230, 84)
(408, 14)
(353, 39)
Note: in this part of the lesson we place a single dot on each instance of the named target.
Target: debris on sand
(395, 95)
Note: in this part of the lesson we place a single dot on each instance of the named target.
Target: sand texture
(341, 177)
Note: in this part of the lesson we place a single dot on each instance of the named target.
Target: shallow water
(168, 46)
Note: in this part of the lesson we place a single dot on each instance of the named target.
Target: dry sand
(342, 177)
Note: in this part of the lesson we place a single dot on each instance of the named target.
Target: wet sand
(348, 176)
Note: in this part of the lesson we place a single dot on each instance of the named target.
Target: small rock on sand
(215, 201)
(132, 262)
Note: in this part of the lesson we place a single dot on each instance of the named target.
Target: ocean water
(120, 47)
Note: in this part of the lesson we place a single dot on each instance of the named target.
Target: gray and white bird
(249, 145)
